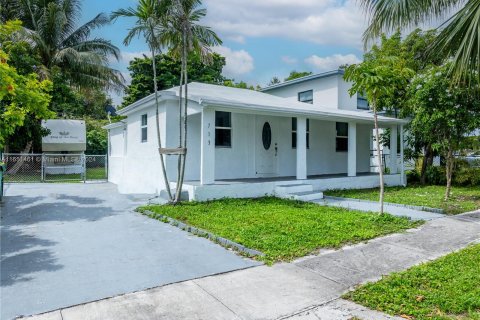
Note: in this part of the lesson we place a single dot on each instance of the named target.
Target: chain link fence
(54, 167)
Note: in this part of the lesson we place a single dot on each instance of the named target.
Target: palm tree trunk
(185, 112)
(449, 172)
(180, 95)
(380, 164)
(157, 120)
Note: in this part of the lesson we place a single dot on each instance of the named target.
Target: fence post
(106, 167)
(84, 163)
(42, 168)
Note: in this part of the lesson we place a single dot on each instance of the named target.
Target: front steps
(300, 192)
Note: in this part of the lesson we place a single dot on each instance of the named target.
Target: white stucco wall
(138, 170)
(135, 166)
(329, 92)
(239, 160)
(116, 154)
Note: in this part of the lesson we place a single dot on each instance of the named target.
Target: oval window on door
(266, 135)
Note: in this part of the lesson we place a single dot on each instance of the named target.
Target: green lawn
(447, 288)
(283, 229)
(97, 173)
(463, 198)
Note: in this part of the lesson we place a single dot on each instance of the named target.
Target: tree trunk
(157, 120)
(379, 155)
(427, 157)
(449, 171)
(180, 95)
(21, 160)
(185, 112)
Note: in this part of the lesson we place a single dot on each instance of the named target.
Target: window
(223, 129)
(144, 128)
(267, 135)
(306, 96)
(294, 133)
(362, 102)
(342, 137)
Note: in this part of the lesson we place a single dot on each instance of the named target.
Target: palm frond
(460, 40)
(83, 32)
(389, 15)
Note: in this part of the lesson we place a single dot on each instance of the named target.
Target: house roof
(250, 101)
(303, 79)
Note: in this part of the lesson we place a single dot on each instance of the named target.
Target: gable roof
(303, 79)
(251, 101)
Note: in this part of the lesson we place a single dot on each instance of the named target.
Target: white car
(473, 159)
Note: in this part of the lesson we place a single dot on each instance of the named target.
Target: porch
(310, 188)
(263, 148)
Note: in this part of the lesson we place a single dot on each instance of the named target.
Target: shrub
(413, 176)
(465, 175)
(436, 175)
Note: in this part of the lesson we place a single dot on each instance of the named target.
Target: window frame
(144, 126)
(294, 133)
(340, 137)
(306, 101)
(224, 128)
(363, 98)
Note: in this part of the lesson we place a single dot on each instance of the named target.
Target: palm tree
(186, 35)
(459, 36)
(151, 21)
(50, 28)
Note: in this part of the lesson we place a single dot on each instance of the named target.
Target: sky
(261, 39)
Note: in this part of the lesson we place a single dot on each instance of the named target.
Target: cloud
(289, 60)
(128, 56)
(331, 62)
(318, 21)
(237, 62)
(237, 38)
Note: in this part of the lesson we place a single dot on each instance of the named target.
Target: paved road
(66, 244)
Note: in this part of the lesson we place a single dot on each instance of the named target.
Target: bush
(436, 175)
(413, 176)
(466, 175)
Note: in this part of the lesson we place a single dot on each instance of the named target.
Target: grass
(447, 288)
(283, 229)
(97, 173)
(463, 199)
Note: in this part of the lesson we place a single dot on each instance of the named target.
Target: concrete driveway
(66, 244)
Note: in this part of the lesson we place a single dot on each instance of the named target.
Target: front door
(266, 146)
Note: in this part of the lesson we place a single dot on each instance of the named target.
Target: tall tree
(274, 81)
(412, 49)
(21, 97)
(151, 20)
(459, 36)
(51, 28)
(168, 74)
(297, 74)
(377, 79)
(443, 115)
(187, 36)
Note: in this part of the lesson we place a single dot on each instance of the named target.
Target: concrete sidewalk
(305, 289)
(393, 209)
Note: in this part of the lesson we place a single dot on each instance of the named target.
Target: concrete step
(293, 188)
(305, 196)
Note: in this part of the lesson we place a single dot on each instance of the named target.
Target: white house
(245, 143)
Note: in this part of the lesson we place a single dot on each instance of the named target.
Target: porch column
(352, 149)
(207, 147)
(403, 179)
(301, 148)
(393, 149)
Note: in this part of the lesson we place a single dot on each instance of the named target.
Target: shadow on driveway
(66, 244)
